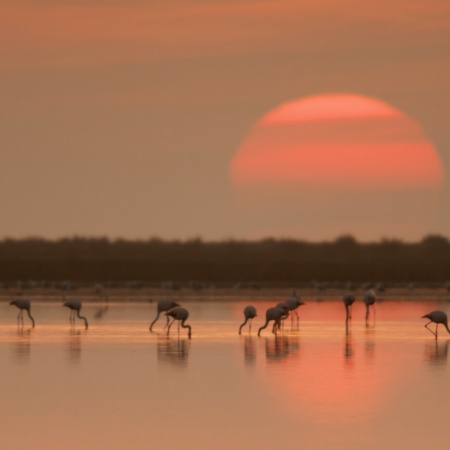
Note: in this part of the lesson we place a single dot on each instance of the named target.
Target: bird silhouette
(164, 306)
(75, 307)
(437, 317)
(293, 303)
(275, 314)
(348, 300)
(249, 314)
(23, 304)
(369, 300)
(180, 314)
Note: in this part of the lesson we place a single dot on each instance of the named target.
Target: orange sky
(121, 117)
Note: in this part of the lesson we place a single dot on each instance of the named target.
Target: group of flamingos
(276, 314)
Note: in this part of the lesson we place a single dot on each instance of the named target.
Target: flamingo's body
(23, 304)
(437, 317)
(275, 314)
(369, 300)
(348, 300)
(164, 306)
(75, 307)
(249, 314)
(293, 303)
(180, 314)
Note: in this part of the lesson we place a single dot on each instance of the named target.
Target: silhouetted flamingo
(249, 314)
(75, 307)
(23, 304)
(180, 314)
(369, 300)
(164, 306)
(437, 317)
(274, 314)
(293, 303)
(348, 300)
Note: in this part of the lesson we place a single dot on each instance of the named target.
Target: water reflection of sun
(338, 378)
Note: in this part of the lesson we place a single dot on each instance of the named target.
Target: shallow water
(385, 384)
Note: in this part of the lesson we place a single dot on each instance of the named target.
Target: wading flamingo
(180, 314)
(369, 300)
(22, 304)
(348, 300)
(276, 315)
(164, 306)
(293, 303)
(75, 307)
(437, 317)
(249, 314)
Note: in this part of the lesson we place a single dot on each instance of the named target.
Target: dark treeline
(265, 261)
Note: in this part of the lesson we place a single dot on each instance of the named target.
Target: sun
(317, 152)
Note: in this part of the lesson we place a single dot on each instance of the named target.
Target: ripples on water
(318, 385)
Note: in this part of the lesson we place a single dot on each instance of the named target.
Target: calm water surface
(385, 384)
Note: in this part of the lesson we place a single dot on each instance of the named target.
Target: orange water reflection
(348, 374)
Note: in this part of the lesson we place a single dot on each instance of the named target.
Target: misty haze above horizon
(120, 119)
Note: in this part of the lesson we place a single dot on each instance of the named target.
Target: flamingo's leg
(431, 331)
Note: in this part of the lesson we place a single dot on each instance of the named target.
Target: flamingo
(369, 300)
(164, 306)
(293, 303)
(437, 317)
(275, 314)
(249, 314)
(75, 306)
(348, 300)
(180, 314)
(23, 304)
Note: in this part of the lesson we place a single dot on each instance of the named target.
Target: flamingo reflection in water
(75, 308)
(180, 314)
(249, 351)
(22, 345)
(249, 314)
(437, 317)
(164, 306)
(173, 352)
(436, 352)
(348, 346)
(23, 305)
(74, 346)
(281, 347)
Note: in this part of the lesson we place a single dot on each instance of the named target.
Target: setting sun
(332, 164)
(337, 140)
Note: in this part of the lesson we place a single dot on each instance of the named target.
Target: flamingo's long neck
(31, 318)
(157, 317)
(84, 318)
(186, 326)
(243, 325)
(446, 326)
(264, 326)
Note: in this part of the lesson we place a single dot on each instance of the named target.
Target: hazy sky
(121, 117)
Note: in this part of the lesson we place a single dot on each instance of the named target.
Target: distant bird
(23, 304)
(293, 303)
(437, 317)
(180, 314)
(75, 307)
(348, 300)
(164, 306)
(249, 314)
(274, 314)
(369, 300)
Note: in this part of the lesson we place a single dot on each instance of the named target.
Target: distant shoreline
(197, 264)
